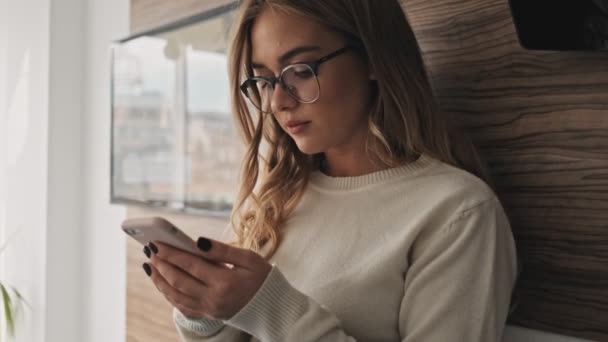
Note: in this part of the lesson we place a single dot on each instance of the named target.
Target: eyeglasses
(300, 80)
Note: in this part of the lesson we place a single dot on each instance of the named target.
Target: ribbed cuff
(203, 326)
(273, 310)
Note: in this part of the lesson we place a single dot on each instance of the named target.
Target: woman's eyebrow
(289, 55)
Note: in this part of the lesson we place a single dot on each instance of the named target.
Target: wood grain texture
(148, 315)
(541, 122)
(149, 14)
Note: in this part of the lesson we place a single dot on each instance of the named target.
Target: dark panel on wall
(561, 24)
(540, 119)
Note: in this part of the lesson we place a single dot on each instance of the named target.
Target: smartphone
(148, 229)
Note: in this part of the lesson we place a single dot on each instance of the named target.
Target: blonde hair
(404, 122)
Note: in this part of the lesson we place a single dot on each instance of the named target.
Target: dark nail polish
(147, 251)
(203, 244)
(147, 268)
(153, 248)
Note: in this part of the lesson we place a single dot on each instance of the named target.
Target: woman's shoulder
(446, 194)
(447, 183)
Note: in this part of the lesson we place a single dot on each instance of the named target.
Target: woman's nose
(281, 100)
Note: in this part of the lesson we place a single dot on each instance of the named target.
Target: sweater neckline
(320, 180)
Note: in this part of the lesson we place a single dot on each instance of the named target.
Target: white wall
(54, 169)
(104, 251)
(23, 153)
(64, 183)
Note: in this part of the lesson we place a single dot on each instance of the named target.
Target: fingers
(199, 268)
(177, 278)
(203, 285)
(188, 305)
(223, 253)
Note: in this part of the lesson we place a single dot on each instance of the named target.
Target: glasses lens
(301, 82)
(259, 92)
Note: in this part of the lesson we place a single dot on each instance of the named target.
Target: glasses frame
(313, 66)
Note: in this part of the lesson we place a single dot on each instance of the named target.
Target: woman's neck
(349, 166)
(355, 165)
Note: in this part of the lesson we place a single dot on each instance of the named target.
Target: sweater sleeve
(459, 283)
(279, 312)
(206, 330)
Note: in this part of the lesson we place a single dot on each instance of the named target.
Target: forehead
(275, 31)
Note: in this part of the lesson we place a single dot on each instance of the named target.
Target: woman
(358, 218)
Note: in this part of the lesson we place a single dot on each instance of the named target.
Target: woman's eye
(302, 72)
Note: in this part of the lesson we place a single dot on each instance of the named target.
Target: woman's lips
(297, 127)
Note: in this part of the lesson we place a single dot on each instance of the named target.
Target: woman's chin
(308, 149)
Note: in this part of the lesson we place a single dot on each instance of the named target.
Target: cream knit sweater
(417, 253)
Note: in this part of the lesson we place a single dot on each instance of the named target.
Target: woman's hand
(216, 284)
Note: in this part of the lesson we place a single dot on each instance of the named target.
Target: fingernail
(147, 268)
(203, 244)
(153, 248)
(147, 251)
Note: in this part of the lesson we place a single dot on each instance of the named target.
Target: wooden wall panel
(148, 14)
(541, 121)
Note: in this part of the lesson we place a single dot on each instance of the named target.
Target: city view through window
(174, 142)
